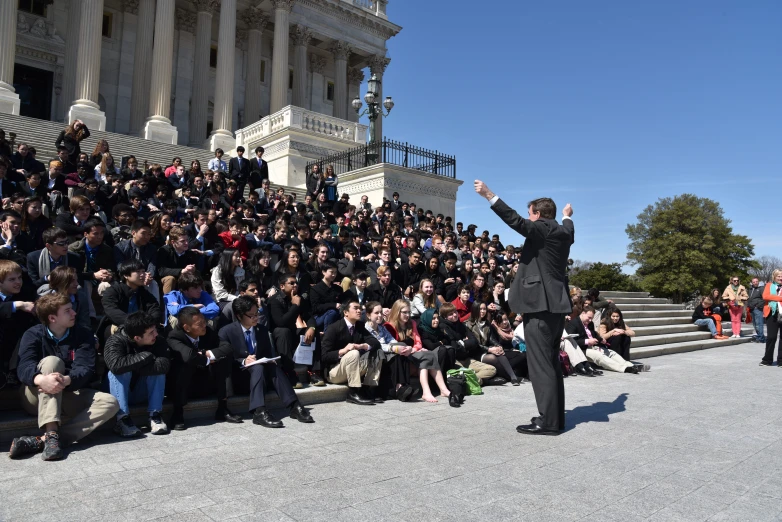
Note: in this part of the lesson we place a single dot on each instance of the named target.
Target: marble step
(657, 314)
(687, 346)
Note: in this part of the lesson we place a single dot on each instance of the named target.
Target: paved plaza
(697, 438)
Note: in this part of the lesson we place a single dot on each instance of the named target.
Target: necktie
(78, 223)
(351, 329)
(249, 339)
(195, 344)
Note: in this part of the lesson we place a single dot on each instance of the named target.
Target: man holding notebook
(250, 343)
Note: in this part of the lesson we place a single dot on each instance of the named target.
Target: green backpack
(473, 383)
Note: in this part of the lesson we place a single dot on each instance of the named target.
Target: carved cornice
(317, 63)
(283, 4)
(301, 35)
(355, 76)
(349, 14)
(341, 50)
(378, 64)
(130, 6)
(241, 39)
(185, 20)
(299, 146)
(206, 6)
(411, 189)
(256, 19)
(36, 54)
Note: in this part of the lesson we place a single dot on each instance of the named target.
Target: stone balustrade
(376, 7)
(292, 117)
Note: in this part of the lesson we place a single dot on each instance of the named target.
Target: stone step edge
(688, 346)
(22, 424)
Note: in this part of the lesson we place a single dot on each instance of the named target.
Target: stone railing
(376, 7)
(292, 117)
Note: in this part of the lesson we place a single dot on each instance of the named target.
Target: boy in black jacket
(56, 363)
(138, 360)
(703, 316)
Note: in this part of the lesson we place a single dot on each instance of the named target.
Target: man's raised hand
(567, 211)
(482, 189)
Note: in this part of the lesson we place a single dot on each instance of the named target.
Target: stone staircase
(662, 328)
(42, 134)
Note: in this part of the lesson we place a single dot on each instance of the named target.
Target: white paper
(262, 360)
(304, 353)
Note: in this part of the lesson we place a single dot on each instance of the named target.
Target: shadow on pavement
(597, 412)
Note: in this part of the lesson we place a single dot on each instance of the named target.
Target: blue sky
(606, 104)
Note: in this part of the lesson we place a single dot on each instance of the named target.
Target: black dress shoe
(371, 392)
(765, 363)
(224, 415)
(534, 429)
(354, 397)
(300, 414)
(177, 424)
(496, 381)
(404, 393)
(262, 418)
(453, 401)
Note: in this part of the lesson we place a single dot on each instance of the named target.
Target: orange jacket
(768, 297)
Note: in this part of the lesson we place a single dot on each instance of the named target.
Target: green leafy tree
(602, 276)
(684, 245)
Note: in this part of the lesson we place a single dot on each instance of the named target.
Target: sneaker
(643, 367)
(317, 380)
(26, 445)
(158, 427)
(125, 427)
(298, 386)
(51, 447)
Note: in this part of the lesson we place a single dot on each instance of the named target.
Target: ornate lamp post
(374, 109)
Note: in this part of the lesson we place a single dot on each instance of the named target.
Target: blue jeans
(758, 322)
(323, 321)
(698, 322)
(151, 387)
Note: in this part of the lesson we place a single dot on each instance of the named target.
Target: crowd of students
(121, 286)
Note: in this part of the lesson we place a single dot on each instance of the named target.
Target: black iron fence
(389, 151)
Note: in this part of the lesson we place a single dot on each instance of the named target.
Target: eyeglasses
(61, 243)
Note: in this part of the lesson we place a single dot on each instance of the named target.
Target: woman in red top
(462, 303)
(234, 238)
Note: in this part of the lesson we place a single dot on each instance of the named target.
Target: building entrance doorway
(34, 87)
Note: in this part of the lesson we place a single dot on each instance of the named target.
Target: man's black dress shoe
(355, 397)
(371, 392)
(496, 381)
(263, 418)
(300, 414)
(225, 415)
(177, 421)
(765, 363)
(534, 429)
(404, 393)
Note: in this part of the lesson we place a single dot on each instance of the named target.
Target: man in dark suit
(239, 169)
(259, 170)
(540, 292)
(352, 355)
(194, 348)
(249, 341)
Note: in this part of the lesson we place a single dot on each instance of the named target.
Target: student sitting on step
(595, 348)
(703, 315)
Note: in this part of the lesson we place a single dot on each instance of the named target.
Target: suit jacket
(238, 173)
(184, 351)
(258, 172)
(233, 341)
(116, 299)
(104, 259)
(338, 336)
(170, 264)
(575, 326)
(32, 265)
(541, 283)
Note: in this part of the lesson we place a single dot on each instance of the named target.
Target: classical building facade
(187, 72)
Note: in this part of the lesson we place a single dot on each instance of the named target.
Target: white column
(222, 136)
(139, 96)
(377, 65)
(9, 100)
(341, 51)
(184, 48)
(355, 78)
(256, 23)
(280, 71)
(199, 101)
(301, 39)
(71, 53)
(317, 65)
(85, 106)
(158, 126)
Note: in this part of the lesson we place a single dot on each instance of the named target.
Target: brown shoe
(721, 337)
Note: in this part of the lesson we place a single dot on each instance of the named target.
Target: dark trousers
(395, 371)
(772, 332)
(621, 345)
(542, 332)
(187, 380)
(256, 380)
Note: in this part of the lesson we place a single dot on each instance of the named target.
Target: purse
(473, 384)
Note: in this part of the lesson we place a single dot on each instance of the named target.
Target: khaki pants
(355, 365)
(574, 353)
(608, 359)
(482, 370)
(86, 408)
(169, 284)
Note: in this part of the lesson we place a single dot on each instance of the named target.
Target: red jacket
(239, 244)
(463, 309)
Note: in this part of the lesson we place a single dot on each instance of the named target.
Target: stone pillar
(301, 39)
(142, 61)
(222, 136)
(377, 65)
(341, 51)
(85, 106)
(199, 101)
(9, 100)
(256, 23)
(355, 78)
(317, 65)
(158, 125)
(280, 71)
(71, 54)
(184, 50)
